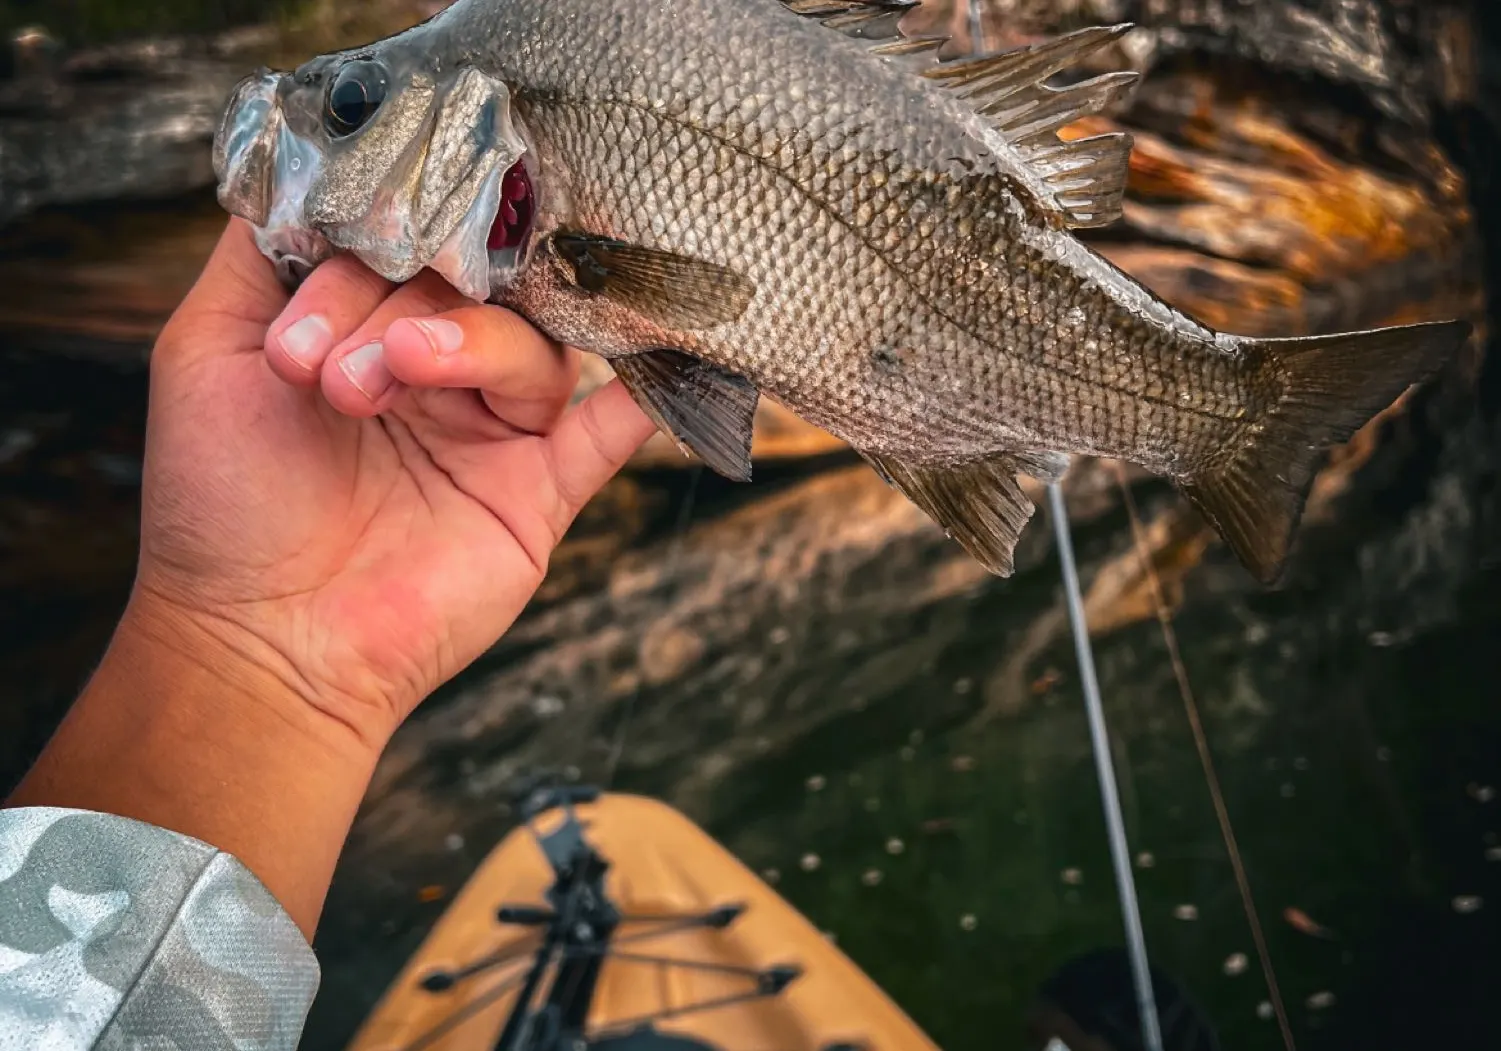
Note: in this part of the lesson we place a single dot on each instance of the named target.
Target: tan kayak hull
(660, 863)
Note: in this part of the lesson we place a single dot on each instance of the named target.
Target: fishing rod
(580, 929)
(1099, 737)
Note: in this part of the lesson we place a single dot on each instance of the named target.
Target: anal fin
(708, 411)
(979, 504)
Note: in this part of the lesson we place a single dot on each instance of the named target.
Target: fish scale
(794, 199)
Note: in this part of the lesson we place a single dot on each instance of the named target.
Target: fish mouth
(437, 180)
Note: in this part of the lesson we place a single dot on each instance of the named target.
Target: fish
(798, 199)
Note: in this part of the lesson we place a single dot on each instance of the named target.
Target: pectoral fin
(978, 504)
(672, 290)
(706, 410)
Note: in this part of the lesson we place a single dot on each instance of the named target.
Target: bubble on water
(908, 753)
(872, 805)
(1383, 754)
(1381, 639)
(871, 878)
(1480, 793)
(963, 686)
(1236, 963)
(1300, 763)
(778, 636)
(572, 773)
(968, 922)
(1146, 859)
(1073, 877)
(1265, 1011)
(453, 842)
(895, 846)
(1288, 790)
(816, 783)
(1186, 912)
(546, 707)
(962, 764)
(771, 875)
(1493, 853)
(810, 862)
(1464, 904)
(1320, 1000)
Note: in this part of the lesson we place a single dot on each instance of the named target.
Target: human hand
(357, 488)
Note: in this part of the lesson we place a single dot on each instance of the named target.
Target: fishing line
(1120, 850)
(674, 552)
(1206, 760)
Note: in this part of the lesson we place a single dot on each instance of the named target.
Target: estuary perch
(730, 198)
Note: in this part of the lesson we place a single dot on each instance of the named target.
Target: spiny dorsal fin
(978, 504)
(1084, 180)
(704, 409)
(862, 19)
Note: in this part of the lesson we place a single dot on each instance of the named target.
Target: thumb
(232, 303)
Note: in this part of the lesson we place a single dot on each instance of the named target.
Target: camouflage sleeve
(116, 934)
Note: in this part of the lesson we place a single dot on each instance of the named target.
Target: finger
(355, 377)
(334, 301)
(591, 445)
(235, 297)
(527, 379)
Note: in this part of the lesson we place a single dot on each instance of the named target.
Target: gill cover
(416, 185)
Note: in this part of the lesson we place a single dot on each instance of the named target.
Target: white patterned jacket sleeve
(118, 935)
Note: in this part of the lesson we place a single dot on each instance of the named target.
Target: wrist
(185, 728)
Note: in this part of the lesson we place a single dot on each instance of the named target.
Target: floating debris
(572, 773)
(1383, 754)
(453, 842)
(871, 878)
(962, 764)
(908, 753)
(778, 636)
(872, 805)
(1468, 903)
(1300, 763)
(1320, 1000)
(810, 862)
(1264, 1010)
(968, 922)
(1480, 793)
(1288, 790)
(1186, 912)
(963, 686)
(1073, 877)
(1146, 859)
(1381, 639)
(1045, 682)
(431, 893)
(816, 783)
(1236, 963)
(1256, 634)
(895, 846)
(1493, 853)
(771, 875)
(1300, 921)
(935, 825)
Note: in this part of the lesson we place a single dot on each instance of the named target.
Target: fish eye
(354, 96)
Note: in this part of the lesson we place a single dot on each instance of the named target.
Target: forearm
(177, 730)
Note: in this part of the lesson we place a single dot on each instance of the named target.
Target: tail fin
(1335, 385)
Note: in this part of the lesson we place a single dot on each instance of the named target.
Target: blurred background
(804, 665)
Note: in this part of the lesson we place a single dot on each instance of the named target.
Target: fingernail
(366, 369)
(446, 337)
(307, 341)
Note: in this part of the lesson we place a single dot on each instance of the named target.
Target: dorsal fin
(1084, 181)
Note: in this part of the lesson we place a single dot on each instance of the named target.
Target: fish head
(387, 154)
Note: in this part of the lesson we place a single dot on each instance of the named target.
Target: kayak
(613, 923)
